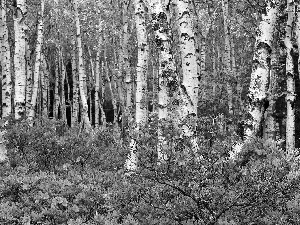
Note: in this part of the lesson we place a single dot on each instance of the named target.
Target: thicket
(61, 175)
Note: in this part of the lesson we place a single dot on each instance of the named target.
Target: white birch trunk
(82, 76)
(37, 64)
(19, 59)
(63, 98)
(227, 69)
(45, 86)
(28, 79)
(75, 106)
(190, 85)
(97, 89)
(290, 96)
(5, 64)
(102, 81)
(166, 69)
(141, 80)
(260, 71)
(56, 102)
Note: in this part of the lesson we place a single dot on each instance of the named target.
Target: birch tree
(290, 96)
(19, 58)
(37, 64)
(260, 70)
(97, 89)
(166, 68)
(141, 85)
(5, 63)
(82, 76)
(227, 57)
(189, 88)
(75, 88)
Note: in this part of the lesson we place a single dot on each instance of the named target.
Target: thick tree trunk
(141, 80)
(166, 69)
(128, 76)
(189, 89)
(82, 76)
(37, 64)
(5, 63)
(290, 96)
(260, 71)
(269, 131)
(19, 59)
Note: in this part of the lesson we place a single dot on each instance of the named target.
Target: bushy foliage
(70, 176)
(50, 144)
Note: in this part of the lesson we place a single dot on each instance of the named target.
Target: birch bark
(227, 57)
(19, 58)
(5, 64)
(141, 80)
(82, 76)
(37, 64)
(260, 71)
(290, 96)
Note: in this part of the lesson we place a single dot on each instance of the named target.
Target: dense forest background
(149, 112)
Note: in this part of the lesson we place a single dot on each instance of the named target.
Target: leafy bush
(50, 144)
(61, 175)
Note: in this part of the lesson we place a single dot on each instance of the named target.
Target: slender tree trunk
(28, 79)
(37, 64)
(290, 96)
(128, 74)
(62, 94)
(91, 83)
(141, 80)
(97, 89)
(110, 83)
(102, 82)
(45, 87)
(82, 76)
(269, 132)
(227, 69)
(75, 106)
(5, 64)
(260, 71)
(56, 102)
(19, 58)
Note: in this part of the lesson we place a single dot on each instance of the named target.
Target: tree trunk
(97, 89)
(166, 69)
(28, 79)
(141, 80)
(75, 106)
(82, 76)
(227, 64)
(56, 102)
(188, 91)
(260, 71)
(37, 64)
(5, 64)
(19, 58)
(290, 96)
(45, 86)
(102, 81)
(62, 94)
